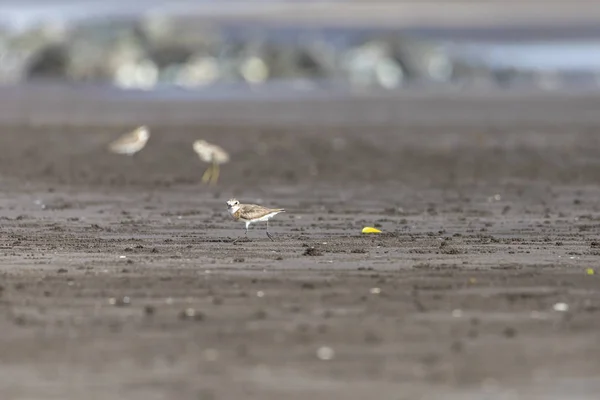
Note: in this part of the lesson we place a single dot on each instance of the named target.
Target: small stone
(375, 290)
(149, 310)
(510, 332)
(311, 251)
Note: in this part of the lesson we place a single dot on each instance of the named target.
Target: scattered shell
(124, 301)
(375, 290)
(190, 312)
(325, 353)
(562, 307)
(260, 293)
(495, 197)
(457, 313)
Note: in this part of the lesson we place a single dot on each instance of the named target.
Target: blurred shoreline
(224, 50)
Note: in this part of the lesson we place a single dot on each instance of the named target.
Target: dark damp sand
(490, 213)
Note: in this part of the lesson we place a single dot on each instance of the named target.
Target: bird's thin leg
(215, 174)
(245, 235)
(268, 234)
(207, 174)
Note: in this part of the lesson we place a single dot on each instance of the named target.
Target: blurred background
(220, 48)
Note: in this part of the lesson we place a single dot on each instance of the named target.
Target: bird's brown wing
(252, 211)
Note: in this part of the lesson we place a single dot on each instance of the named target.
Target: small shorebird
(213, 154)
(250, 213)
(131, 142)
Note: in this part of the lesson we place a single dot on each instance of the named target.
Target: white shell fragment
(562, 307)
(325, 353)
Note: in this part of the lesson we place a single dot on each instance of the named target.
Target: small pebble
(375, 290)
(149, 310)
(260, 293)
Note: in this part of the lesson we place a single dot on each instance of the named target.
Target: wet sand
(119, 278)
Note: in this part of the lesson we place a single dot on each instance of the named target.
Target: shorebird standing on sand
(250, 213)
(130, 142)
(213, 154)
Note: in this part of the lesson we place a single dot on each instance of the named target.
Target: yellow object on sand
(590, 271)
(368, 229)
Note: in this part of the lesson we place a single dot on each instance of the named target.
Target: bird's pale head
(142, 133)
(233, 205)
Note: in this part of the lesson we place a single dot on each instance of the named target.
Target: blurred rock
(161, 49)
